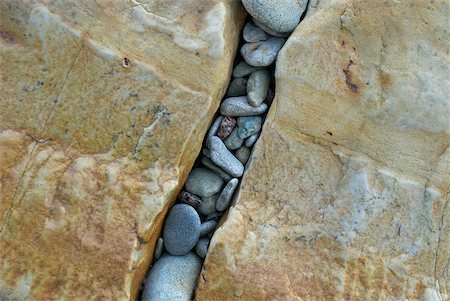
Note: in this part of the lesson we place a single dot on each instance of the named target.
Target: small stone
(251, 140)
(208, 227)
(248, 126)
(181, 229)
(258, 87)
(214, 216)
(206, 152)
(190, 199)
(239, 106)
(222, 157)
(243, 69)
(213, 129)
(270, 31)
(238, 87)
(158, 248)
(224, 199)
(208, 205)
(234, 141)
(172, 278)
(243, 153)
(203, 182)
(202, 247)
(262, 53)
(226, 127)
(211, 165)
(252, 33)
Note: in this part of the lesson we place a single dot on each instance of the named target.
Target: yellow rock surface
(103, 108)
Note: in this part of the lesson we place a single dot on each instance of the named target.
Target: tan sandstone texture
(103, 108)
(346, 194)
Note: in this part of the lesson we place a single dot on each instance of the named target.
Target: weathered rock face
(346, 194)
(98, 132)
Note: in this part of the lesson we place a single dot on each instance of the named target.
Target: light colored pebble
(251, 140)
(248, 126)
(258, 87)
(208, 227)
(202, 247)
(224, 199)
(158, 248)
(243, 69)
(203, 182)
(239, 106)
(234, 141)
(238, 87)
(270, 31)
(252, 33)
(208, 205)
(222, 157)
(213, 129)
(211, 165)
(262, 54)
(243, 153)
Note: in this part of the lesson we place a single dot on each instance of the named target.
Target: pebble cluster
(210, 186)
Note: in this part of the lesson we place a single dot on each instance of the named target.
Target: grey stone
(222, 157)
(214, 127)
(239, 106)
(208, 205)
(206, 153)
(208, 227)
(234, 141)
(181, 229)
(243, 153)
(262, 54)
(211, 165)
(248, 126)
(158, 248)
(278, 15)
(270, 31)
(238, 87)
(202, 247)
(243, 69)
(258, 87)
(252, 33)
(203, 182)
(214, 216)
(224, 199)
(172, 278)
(251, 140)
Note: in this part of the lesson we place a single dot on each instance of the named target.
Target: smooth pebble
(190, 199)
(222, 157)
(208, 205)
(224, 199)
(251, 140)
(206, 153)
(243, 69)
(214, 216)
(252, 33)
(234, 141)
(243, 153)
(270, 31)
(213, 129)
(248, 126)
(202, 247)
(211, 165)
(208, 227)
(239, 106)
(262, 53)
(158, 248)
(203, 182)
(258, 87)
(238, 87)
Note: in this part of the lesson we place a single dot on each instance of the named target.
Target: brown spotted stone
(226, 127)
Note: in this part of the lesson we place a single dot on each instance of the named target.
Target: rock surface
(97, 135)
(347, 193)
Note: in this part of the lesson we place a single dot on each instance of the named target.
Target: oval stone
(203, 182)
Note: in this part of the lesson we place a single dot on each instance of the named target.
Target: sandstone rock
(97, 135)
(361, 212)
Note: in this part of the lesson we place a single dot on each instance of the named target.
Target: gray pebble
(213, 129)
(278, 15)
(270, 31)
(208, 227)
(202, 247)
(248, 126)
(239, 106)
(243, 69)
(258, 87)
(238, 87)
(251, 140)
(243, 153)
(253, 33)
(206, 153)
(158, 248)
(203, 182)
(214, 216)
(234, 141)
(172, 278)
(224, 159)
(224, 199)
(208, 205)
(211, 165)
(181, 229)
(262, 53)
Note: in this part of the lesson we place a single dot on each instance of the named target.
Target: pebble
(214, 216)
(234, 141)
(239, 106)
(208, 227)
(243, 153)
(206, 152)
(251, 140)
(172, 278)
(222, 157)
(262, 53)
(213, 129)
(258, 87)
(224, 199)
(158, 248)
(270, 31)
(203, 182)
(278, 15)
(211, 165)
(181, 229)
(202, 247)
(208, 205)
(237, 87)
(248, 126)
(252, 33)
(190, 199)
(226, 127)
(243, 69)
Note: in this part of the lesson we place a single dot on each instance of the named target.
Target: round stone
(208, 227)
(181, 229)
(243, 69)
(242, 153)
(248, 126)
(238, 87)
(239, 106)
(234, 141)
(270, 31)
(202, 247)
(208, 205)
(262, 53)
(251, 140)
(258, 87)
(203, 182)
(253, 33)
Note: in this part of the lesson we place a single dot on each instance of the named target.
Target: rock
(211, 165)
(221, 156)
(361, 211)
(214, 128)
(278, 15)
(239, 106)
(242, 154)
(248, 126)
(233, 141)
(251, 140)
(203, 182)
(226, 127)
(214, 216)
(224, 199)
(202, 247)
(206, 153)
(262, 54)
(238, 87)
(208, 205)
(243, 69)
(270, 31)
(172, 278)
(208, 226)
(98, 134)
(252, 33)
(258, 87)
(190, 199)
(181, 229)
(159, 248)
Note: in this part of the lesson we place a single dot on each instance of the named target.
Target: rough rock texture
(356, 205)
(97, 134)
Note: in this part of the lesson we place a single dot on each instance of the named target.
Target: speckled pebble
(202, 247)
(203, 182)
(243, 69)
(248, 126)
(223, 158)
(237, 87)
(211, 165)
(253, 33)
(234, 141)
(258, 87)
(226, 127)
(208, 205)
(190, 199)
(251, 140)
(239, 106)
(242, 153)
(214, 127)
(224, 199)
(159, 248)
(262, 53)
(270, 31)
(208, 227)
